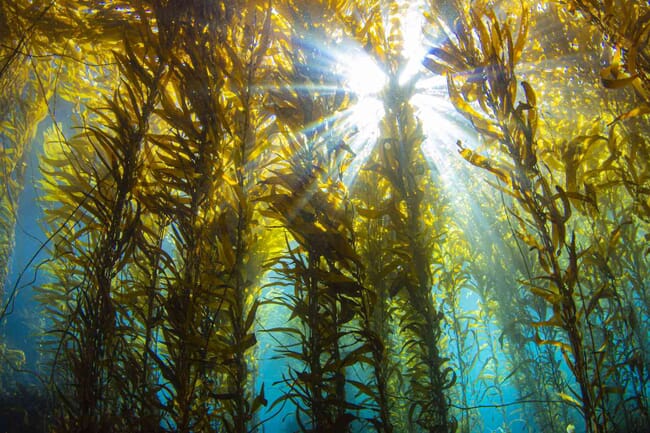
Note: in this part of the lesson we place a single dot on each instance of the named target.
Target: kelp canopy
(326, 215)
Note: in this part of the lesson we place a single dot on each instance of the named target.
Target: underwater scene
(325, 216)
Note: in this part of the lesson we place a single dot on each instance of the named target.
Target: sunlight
(362, 77)
(414, 48)
(361, 74)
(443, 126)
(364, 116)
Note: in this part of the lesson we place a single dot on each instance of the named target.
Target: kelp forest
(325, 216)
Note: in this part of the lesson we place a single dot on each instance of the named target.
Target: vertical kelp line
(373, 241)
(309, 200)
(100, 169)
(543, 214)
(206, 177)
(635, 314)
(494, 267)
(23, 106)
(189, 173)
(613, 315)
(374, 312)
(140, 305)
(241, 236)
(623, 26)
(398, 161)
(397, 166)
(310, 203)
(451, 280)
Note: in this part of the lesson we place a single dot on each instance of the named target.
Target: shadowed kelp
(98, 172)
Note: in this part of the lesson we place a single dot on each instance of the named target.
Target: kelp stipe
(204, 190)
(623, 25)
(105, 163)
(241, 236)
(25, 87)
(515, 126)
(372, 240)
(308, 199)
(534, 371)
(543, 215)
(400, 163)
(322, 303)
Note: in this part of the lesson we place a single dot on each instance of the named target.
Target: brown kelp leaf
(550, 296)
(259, 400)
(617, 83)
(531, 99)
(362, 388)
(563, 346)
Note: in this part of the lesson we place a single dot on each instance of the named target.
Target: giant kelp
(111, 156)
(308, 199)
(491, 53)
(494, 52)
(209, 154)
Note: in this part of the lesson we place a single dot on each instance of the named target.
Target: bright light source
(362, 76)
(364, 117)
(414, 48)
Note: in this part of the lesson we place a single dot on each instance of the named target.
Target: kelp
(210, 162)
(533, 370)
(399, 162)
(377, 313)
(307, 198)
(25, 89)
(324, 298)
(205, 192)
(99, 185)
(511, 120)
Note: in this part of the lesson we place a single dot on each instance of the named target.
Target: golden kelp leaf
(521, 35)
(468, 111)
(563, 346)
(371, 213)
(529, 240)
(638, 111)
(549, 296)
(569, 399)
(484, 163)
(558, 233)
(251, 315)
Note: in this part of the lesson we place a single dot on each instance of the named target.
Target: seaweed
(543, 214)
(199, 155)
